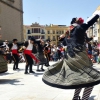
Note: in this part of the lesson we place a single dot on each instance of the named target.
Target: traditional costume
(29, 56)
(47, 52)
(34, 51)
(75, 71)
(14, 51)
(40, 54)
(3, 62)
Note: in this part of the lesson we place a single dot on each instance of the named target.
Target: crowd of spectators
(93, 50)
(58, 52)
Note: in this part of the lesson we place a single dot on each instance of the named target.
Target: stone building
(95, 29)
(11, 19)
(35, 30)
(54, 31)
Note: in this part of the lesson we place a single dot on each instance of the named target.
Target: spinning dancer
(29, 57)
(75, 71)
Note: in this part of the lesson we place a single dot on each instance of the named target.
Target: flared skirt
(72, 73)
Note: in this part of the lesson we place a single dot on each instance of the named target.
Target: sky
(57, 12)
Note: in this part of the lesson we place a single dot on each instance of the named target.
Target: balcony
(42, 32)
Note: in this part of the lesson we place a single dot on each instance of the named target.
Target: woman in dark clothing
(59, 52)
(34, 51)
(3, 62)
(75, 71)
(40, 54)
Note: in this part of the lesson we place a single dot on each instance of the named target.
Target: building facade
(35, 30)
(95, 29)
(11, 19)
(54, 31)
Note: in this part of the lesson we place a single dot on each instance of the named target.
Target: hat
(32, 39)
(73, 20)
(48, 40)
(15, 40)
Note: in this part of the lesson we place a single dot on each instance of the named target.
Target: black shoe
(17, 68)
(14, 68)
(26, 73)
(32, 72)
(42, 69)
(38, 70)
(77, 99)
(47, 65)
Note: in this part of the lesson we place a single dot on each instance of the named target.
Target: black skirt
(3, 64)
(41, 58)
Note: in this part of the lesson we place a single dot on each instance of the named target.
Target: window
(53, 32)
(42, 32)
(95, 32)
(59, 32)
(62, 32)
(32, 30)
(54, 39)
(56, 32)
(48, 32)
(57, 37)
(36, 30)
(48, 37)
(28, 32)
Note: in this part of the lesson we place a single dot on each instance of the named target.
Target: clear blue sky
(57, 11)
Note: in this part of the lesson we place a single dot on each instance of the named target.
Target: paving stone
(15, 85)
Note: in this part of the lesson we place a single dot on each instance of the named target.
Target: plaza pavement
(15, 85)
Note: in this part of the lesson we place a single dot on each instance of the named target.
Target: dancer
(3, 62)
(75, 71)
(29, 56)
(13, 47)
(34, 51)
(40, 54)
(47, 52)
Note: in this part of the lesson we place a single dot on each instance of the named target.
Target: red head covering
(81, 21)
